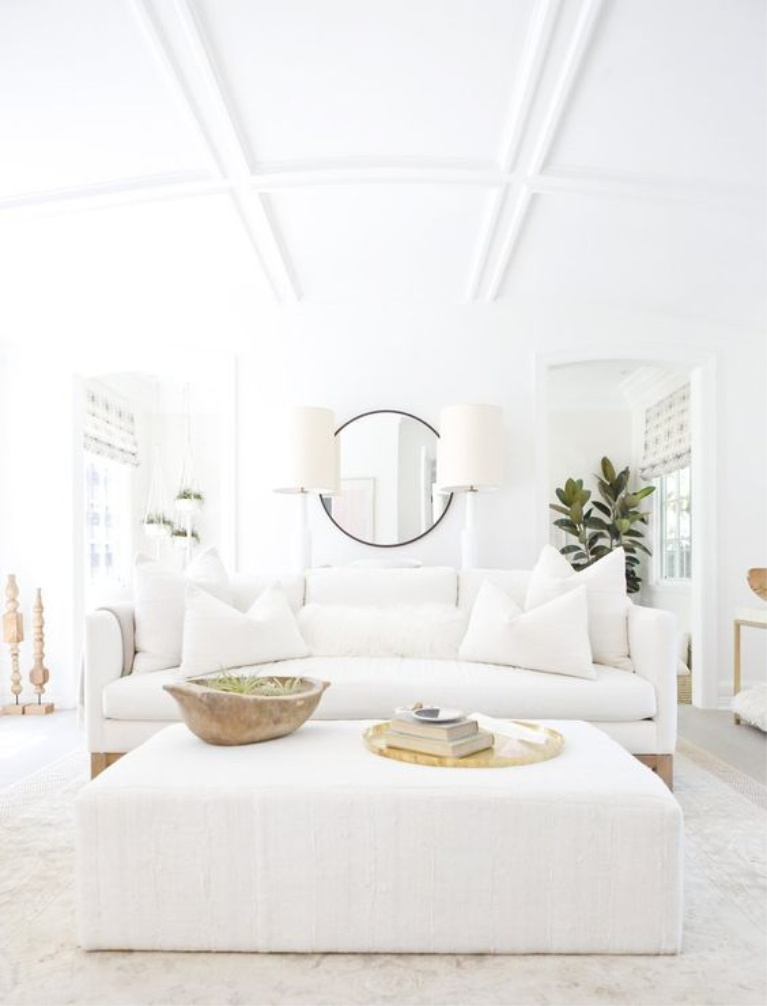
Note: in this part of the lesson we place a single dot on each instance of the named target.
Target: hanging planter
(189, 501)
(157, 525)
(182, 540)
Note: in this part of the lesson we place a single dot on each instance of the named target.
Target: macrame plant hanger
(188, 497)
(157, 523)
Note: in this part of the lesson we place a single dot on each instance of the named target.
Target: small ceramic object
(228, 718)
(757, 581)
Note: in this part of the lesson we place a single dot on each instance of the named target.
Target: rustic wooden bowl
(227, 718)
(757, 581)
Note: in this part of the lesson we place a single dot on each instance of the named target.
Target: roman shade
(667, 435)
(109, 426)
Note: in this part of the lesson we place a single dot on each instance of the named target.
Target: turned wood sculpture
(39, 674)
(13, 634)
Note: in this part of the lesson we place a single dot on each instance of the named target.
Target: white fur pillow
(423, 630)
(608, 602)
(218, 637)
(158, 593)
(553, 637)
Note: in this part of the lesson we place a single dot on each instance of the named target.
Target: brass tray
(529, 753)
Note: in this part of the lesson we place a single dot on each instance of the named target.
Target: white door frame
(704, 590)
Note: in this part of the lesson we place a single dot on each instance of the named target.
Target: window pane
(671, 524)
(684, 482)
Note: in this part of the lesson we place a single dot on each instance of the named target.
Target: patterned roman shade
(109, 426)
(667, 435)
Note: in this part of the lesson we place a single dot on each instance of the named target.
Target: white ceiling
(373, 151)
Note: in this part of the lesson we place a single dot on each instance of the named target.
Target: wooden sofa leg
(103, 759)
(662, 765)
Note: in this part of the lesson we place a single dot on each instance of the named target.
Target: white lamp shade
(470, 448)
(305, 451)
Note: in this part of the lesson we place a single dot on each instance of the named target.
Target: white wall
(421, 360)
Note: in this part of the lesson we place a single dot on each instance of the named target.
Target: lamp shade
(470, 448)
(305, 451)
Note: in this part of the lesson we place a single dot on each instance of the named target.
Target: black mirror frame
(373, 544)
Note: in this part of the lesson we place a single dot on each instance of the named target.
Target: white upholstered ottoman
(312, 843)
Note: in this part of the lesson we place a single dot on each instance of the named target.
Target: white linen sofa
(637, 709)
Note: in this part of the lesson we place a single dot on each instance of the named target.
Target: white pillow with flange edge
(608, 602)
(218, 637)
(159, 602)
(553, 637)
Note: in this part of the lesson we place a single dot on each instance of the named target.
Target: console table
(755, 618)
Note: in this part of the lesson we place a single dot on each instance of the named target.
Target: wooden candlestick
(13, 634)
(39, 674)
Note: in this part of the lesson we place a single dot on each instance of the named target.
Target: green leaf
(643, 548)
(567, 525)
(644, 492)
(602, 508)
(560, 509)
(561, 496)
(597, 522)
(608, 470)
(570, 549)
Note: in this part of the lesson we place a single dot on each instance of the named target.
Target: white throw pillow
(422, 630)
(553, 637)
(218, 637)
(158, 597)
(608, 602)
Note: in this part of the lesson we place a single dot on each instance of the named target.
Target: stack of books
(455, 739)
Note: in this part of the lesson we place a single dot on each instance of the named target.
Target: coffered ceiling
(390, 151)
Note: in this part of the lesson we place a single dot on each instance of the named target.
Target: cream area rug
(723, 962)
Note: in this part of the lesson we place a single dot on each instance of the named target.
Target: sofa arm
(104, 660)
(652, 645)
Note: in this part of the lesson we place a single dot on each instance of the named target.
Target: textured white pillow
(608, 602)
(158, 598)
(423, 630)
(553, 637)
(218, 637)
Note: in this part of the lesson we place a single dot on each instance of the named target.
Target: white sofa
(637, 709)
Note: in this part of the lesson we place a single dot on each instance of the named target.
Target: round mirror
(388, 495)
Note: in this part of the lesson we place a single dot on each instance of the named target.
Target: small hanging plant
(179, 533)
(158, 519)
(190, 494)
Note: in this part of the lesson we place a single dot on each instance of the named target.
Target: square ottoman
(312, 843)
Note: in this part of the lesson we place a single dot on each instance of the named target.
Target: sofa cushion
(418, 630)
(382, 587)
(246, 587)
(553, 637)
(513, 581)
(605, 583)
(159, 591)
(218, 637)
(371, 688)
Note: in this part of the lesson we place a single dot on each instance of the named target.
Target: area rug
(723, 962)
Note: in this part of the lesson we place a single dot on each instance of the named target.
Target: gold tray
(373, 738)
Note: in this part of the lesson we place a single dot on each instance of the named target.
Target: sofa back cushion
(246, 587)
(418, 630)
(513, 582)
(382, 588)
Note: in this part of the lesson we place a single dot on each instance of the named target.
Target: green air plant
(190, 494)
(251, 684)
(615, 521)
(180, 532)
(158, 518)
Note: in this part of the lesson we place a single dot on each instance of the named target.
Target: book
(405, 724)
(449, 749)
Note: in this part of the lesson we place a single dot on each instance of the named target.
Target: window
(674, 525)
(107, 522)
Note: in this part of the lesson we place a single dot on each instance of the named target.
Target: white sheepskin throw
(751, 706)
(425, 630)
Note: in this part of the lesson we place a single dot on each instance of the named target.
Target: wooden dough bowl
(228, 718)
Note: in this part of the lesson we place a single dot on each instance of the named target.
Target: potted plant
(180, 538)
(189, 501)
(157, 525)
(614, 522)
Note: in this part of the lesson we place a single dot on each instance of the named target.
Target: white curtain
(667, 435)
(110, 426)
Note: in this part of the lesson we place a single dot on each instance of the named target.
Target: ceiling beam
(536, 46)
(178, 40)
(532, 163)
